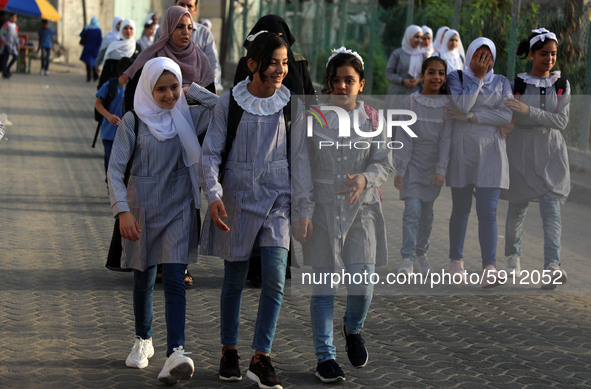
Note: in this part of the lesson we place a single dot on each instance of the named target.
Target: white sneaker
(407, 267)
(423, 265)
(557, 277)
(513, 265)
(46, 73)
(141, 351)
(177, 367)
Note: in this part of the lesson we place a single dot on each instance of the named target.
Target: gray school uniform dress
(421, 158)
(256, 187)
(397, 72)
(343, 234)
(478, 155)
(160, 193)
(538, 157)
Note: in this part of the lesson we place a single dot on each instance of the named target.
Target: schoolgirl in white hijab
(124, 47)
(427, 41)
(165, 123)
(416, 52)
(475, 45)
(438, 37)
(454, 57)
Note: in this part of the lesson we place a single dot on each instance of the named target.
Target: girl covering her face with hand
(245, 176)
(478, 158)
(337, 210)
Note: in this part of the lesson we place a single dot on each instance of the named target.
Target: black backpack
(234, 115)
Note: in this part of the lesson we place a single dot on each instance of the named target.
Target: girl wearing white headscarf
(125, 46)
(452, 51)
(404, 66)
(156, 209)
(478, 159)
(427, 41)
(109, 38)
(438, 37)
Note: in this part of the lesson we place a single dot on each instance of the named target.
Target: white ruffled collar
(430, 101)
(540, 82)
(261, 106)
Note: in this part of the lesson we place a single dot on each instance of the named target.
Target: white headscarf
(475, 45)
(416, 53)
(124, 47)
(437, 40)
(113, 35)
(166, 123)
(429, 49)
(455, 57)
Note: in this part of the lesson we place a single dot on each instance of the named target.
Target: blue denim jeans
(417, 221)
(173, 275)
(273, 266)
(486, 209)
(45, 53)
(322, 309)
(551, 222)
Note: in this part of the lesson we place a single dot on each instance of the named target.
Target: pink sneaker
(456, 266)
(490, 277)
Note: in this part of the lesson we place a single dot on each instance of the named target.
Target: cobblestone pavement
(67, 322)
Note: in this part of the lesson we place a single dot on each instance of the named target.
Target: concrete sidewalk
(67, 322)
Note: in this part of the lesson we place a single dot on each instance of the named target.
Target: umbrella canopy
(39, 8)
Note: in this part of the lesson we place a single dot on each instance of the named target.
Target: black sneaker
(329, 371)
(262, 372)
(229, 367)
(356, 350)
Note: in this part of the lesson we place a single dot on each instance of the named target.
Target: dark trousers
(7, 65)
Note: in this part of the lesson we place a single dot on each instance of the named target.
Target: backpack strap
(518, 87)
(234, 115)
(560, 86)
(130, 162)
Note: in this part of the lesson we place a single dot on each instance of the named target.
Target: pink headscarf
(193, 62)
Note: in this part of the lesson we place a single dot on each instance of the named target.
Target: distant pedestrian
(91, 38)
(109, 38)
(421, 165)
(538, 156)
(253, 198)
(156, 210)
(337, 212)
(46, 38)
(9, 46)
(109, 103)
(404, 66)
(147, 38)
(452, 51)
(478, 165)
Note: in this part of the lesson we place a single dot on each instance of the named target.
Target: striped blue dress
(256, 188)
(159, 193)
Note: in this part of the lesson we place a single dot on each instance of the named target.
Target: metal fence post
(409, 12)
(457, 10)
(373, 21)
(512, 46)
(343, 26)
(584, 128)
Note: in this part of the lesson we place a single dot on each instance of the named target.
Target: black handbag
(83, 38)
(116, 247)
